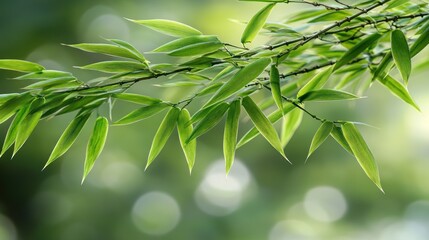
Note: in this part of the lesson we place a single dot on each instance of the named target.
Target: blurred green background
(263, 197)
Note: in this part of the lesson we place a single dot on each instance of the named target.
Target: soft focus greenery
(263, 197)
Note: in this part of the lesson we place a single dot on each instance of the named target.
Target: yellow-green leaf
(20, 65)
(326, 95)
(67, 138)
(256, 23)
(230, 134)
(9, 108)
(196, 49)
(142, 113)
(399, 90)
(401, 54)
(318, 81)
(163, 133)
(168, 27)
(137, 98)
(320, 136)
(130, 47)
(210, 120)
(115, 66)
(421, 42)
(107, 49)
(95, 144)
(382, 69)
(13, 128)
(338, 135)
(185, 130)
(362, 152)
(291, 122)
(186, 41)
(263, 125)
(275, 86)
(240, 79)
(44, 74)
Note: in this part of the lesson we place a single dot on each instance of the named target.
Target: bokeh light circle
(7, 229)
(325, 204)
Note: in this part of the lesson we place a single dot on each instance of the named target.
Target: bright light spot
(325, 204)
(7, 229)
(156, 213)
(291, 230)
(418, 211)
(220, 195)
(406, 230)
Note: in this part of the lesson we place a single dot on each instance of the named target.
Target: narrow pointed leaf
(186, 41)
(137, 98)
(275, 86)
(115, 66)
(399, 90)
(185, 130)
(263, 125)
(44, 74)
(212, 118)
(320, 136)
(67, 138)
(362, 152)
(401, 54)
(256, 23)
(230, 134)
(196, 49)
(421, 42)
(326, 95)
(382, 69)
(9, 108)
(164, 131)
(356, 50)
(338, 135)
(291, 122)
(107, 49)
(141, 113)
(130, 47)
(318, 81)
(13, 128)
(20, 65)
(50, 83)
(95, 144)
(240, 79)
(168, 27)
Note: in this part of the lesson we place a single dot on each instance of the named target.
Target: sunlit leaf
(13, 128)
(95, 144)
(382, 69)
(401, 54)
(362, 152)
(20, 65)
(320, 136)
(9, 108)
(318, 81)
(50, 83)
(186, 41)
(291, 122)
(326, 95)
(115, 66)
(141, 113)
(395, 3)
(67, 138)
(168, 27)
(107, 49)
(44, 74)
(164, 131)
(263, 125)
(210, 120)
(185, 130)
(136, 98)
(421, 42)
(196, 49)
(230, 134)
(256, 23)
(397, 89)
(130, 47)
(338, 135)
(275, 86)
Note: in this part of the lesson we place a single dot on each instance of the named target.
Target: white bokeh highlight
(325, 204)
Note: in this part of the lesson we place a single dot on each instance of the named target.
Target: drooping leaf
(212, 118)
(356, 50)
(20, 65)
(382, 69)
(107, 49)
(230, 134)
(263, 125)
(320, 136)
(44, 74)
(168, 27)
(240, 79)
(7, 96)
(95, 144)
(52, 82)
(130, 47)
(202, 113)
(13, 128)
(196, 49)
(256, 23)
(338, 135)
(115, 66)
(399, 90)
(186, 41)
(421, 42)
(68, 138)
(9, 108)
(401, 54)
(362, 152)
(142, 113)
(395, 3)
(185, 130)
(275, 86)
(326, 95)
(136, 98)
(291, 122)
(318, 81)
(164, 131)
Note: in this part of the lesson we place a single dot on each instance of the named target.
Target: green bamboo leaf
(115, 66)
(273, 117)
(52, 82)
(338, 135)
(211, 88)
(130, 47)
(263, 125)
(186, 41)
(27, 125)
(320, 136)
(67, 138)
(202, 113)
(382, 68)
(7, 96)
(291, 122)
(401, 54)
(356, 50)
(318, 81)
(95, 144)
(9, 108)
(141, 113)
(20, 65)
(421, 42)
(211, 119)
(275, 86)
(326, 95)
(196, 49)
(44, 74)
(163, 133)
(136, 98)
(230, 134)
(107, 49)
(168, 27)
(262, 0)
(395, 3)
(256, 23)
(362, 152)
(240, 79)
(330, 16)
(13, 128)
(185, 130)
(399, 90)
